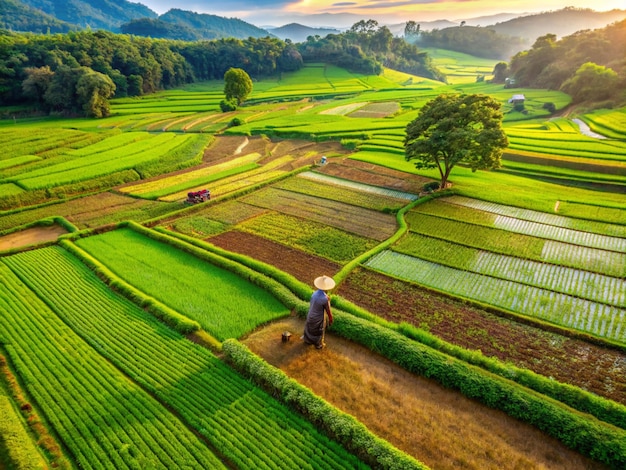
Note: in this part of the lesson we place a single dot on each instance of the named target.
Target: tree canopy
(454, 129)
(237, 85)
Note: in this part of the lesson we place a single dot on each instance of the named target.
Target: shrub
(228, 105)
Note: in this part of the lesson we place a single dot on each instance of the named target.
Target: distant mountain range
(54, 16)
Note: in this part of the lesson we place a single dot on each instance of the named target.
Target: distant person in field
(319, 316)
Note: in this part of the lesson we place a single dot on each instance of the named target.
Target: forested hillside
(503, 40)
(93, 14)
(15, 16)
(589, 65)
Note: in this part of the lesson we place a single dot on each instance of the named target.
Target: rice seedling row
(240, 420)
(224, 304)
(358, 220)
(332, 188)
(565, 235)
(239, 181)
(124, 149)
(572, 312)
(17, 161)
(604, 262)
(231, 212)
(574, 282)
(611, 123)
(189, 177)
(105, 420)
(611, 230)
(361, 187)
(140, 154)
(308, 236)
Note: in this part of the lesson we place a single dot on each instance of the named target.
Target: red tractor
(195, 197)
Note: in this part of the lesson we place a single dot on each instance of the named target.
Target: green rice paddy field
(541, 241)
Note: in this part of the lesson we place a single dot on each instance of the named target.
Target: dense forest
(366, 47)
(76, 73)
(473, 40)
(588, 65)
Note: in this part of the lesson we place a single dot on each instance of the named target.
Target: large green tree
(237, 85)
(453, 129)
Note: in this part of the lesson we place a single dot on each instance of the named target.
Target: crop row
(572, 312)
(16, 161)
(115, 142)
(105, 420)
(362, 187)
(224, 304)
(181, 181)
(358, 220)
(81, 169)
(612, 230)
(608, 122)
(35, 141)
(247, 426)
(492, 239)
(239, 181)
(575, 282)
(308, 236)
(118, 152)
(329, 187)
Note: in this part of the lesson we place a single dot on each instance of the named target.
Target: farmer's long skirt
(314, 329)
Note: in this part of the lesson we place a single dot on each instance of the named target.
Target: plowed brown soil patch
(591, 367)
(439, 427)
(302, 266)
(31, 236)
(368, 173)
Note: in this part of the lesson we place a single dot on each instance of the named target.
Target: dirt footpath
(439, 427)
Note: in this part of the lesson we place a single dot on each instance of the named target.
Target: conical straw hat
(324, 282)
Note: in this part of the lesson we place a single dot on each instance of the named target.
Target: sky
(280, 12)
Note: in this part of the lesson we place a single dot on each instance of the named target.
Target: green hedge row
(172, 318)
(342, 427)
(584, 433)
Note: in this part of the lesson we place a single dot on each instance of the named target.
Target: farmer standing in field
(319, 315)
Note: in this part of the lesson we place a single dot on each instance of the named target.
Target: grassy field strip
(249, 427)
(95, 154)
(612, 230)
(92, 211)
(224, 304)
(344, 109)
(105, 420)
(353, 219)
(597, 319)
(75, 173)
(337, 193)
(239, 181)
(575, 282)
(611, 123)
(185, 177)
(492, 239)
(15, 161)
(308, 236)
(358, 186)
(10, 189)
